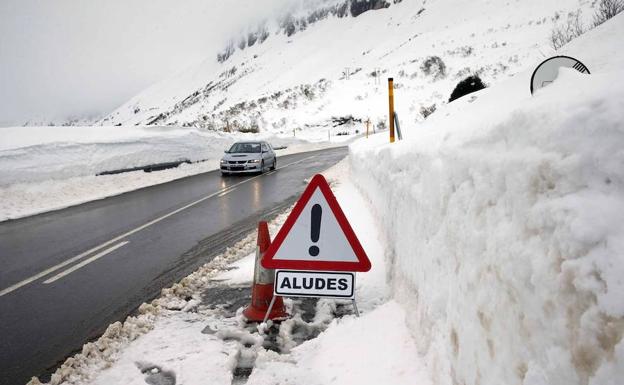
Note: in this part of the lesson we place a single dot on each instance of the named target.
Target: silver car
(247, 157)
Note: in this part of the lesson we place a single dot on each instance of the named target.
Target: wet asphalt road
(138, 243)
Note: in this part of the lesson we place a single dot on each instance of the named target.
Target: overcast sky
(61, 58)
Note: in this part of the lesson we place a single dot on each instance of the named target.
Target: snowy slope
(337, 67)
(503, 215)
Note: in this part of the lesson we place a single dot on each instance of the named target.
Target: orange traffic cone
(262, 290)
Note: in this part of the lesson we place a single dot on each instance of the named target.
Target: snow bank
(503, 218)
(34, 154)
(49, 168)
(175, 349)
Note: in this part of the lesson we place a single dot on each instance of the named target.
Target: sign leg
(266, 316)
(357, 312)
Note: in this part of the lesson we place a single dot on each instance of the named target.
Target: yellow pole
(391, 108)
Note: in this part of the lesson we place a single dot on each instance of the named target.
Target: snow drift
(503, 212)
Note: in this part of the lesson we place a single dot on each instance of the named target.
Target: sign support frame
(327, 277)
(266, 317)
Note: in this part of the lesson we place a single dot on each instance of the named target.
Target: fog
(62, 58)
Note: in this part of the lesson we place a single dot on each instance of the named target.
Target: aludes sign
(314, 284)
(316, 252)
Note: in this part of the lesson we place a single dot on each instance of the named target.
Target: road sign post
(316, 252)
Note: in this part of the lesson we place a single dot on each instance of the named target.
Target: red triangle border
(363, 264)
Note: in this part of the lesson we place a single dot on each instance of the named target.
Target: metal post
(398, 126)
(367, 124)
(357, 312)
(391, 107)
(266, 317)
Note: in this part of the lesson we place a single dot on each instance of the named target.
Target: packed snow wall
(503, 222)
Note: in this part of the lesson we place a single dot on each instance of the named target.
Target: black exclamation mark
(315, 228)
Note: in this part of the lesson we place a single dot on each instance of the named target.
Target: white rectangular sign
(297, 283)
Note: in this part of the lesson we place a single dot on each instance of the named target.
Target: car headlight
(223, 161)
(254, 161)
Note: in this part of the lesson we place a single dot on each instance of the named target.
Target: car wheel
(262, 167)
(274, 166)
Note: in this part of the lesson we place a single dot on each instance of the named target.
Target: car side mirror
(226, 151)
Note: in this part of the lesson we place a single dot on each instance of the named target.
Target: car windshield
(245, 148)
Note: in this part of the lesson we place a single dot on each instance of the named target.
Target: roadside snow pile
(503, 215)
(48, 168)
(34, 154)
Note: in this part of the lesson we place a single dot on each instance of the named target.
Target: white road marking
(226, 192)
(136, 230)
(45, 272)
(85, 262)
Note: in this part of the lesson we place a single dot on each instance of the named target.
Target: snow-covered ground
(48, 168)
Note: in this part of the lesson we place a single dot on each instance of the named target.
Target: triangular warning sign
(316, 236)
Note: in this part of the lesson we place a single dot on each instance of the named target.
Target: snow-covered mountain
(305, 71)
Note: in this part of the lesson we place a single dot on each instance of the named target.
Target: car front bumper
(240, 168)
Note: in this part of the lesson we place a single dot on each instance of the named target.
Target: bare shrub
(307, 91)
(226, 53)
(263, 33)
(426, 111)
(606, 10)
(434, 66)
(253, 129)
(566, 32)
(288, 25)
(252, 37)
(242, 43)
